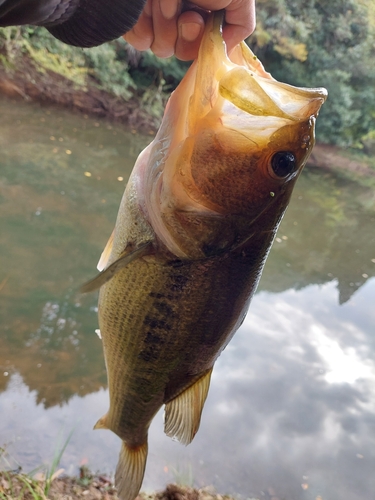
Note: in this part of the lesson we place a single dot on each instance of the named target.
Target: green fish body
(193, 231)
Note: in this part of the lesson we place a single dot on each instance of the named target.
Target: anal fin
(183, 413)
(130, 470)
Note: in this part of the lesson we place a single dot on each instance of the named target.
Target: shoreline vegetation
(49, 482)
(88, 486)
(334, 47)
(26, 82)
(330, 45)
(53, 89)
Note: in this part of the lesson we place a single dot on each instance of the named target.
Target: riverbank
(50, 88)
(341, 160)
(89, 487)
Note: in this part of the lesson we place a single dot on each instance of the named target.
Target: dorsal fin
(103, 261)
(125, 258)
(183, 413)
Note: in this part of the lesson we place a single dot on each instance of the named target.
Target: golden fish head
(231, 146)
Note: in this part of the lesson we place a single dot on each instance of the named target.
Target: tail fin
(130, 470)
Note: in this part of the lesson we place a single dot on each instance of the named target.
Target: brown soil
(334, 158)
(52, 88)
(89, 487)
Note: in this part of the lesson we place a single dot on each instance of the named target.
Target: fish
(194, 228)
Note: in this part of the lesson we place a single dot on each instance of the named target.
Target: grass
(183, 477)
(14, 486)
(37, 484)
(17, 486)
(49, 483)
(52, 472)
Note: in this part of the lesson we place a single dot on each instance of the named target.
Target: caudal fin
(130, 470)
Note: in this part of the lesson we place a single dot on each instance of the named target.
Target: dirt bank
(335, 158)
(51, 88)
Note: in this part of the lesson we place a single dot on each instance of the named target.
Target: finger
(190, 31)
(212, 4)
(240, 22)
(141, 35)
(169, 8)
(164, 16)
(239, 18)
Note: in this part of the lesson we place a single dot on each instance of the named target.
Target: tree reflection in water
(292, 395)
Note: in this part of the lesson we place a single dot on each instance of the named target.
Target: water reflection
(292, 403)
(328, 234)
(55, 221)
(292, 400)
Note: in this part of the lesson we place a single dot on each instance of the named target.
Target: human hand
(173, 27)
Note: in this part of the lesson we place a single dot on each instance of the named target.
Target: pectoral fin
(183, 413)
(103, 261)
(125, 258)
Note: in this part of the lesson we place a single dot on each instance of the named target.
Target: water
(291, 409)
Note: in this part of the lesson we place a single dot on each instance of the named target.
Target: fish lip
(264, 97)
(191, 110)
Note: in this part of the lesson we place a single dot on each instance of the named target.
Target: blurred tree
(314, 43)
(114, 66)
(330, 44)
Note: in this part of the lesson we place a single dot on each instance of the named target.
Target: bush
(336, 50)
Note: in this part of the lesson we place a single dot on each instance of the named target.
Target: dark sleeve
(84, 23)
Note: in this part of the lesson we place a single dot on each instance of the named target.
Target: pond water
(291, 409)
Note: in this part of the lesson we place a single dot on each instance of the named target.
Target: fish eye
(283, 164)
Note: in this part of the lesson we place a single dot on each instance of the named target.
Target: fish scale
(183, 303)
(193, 231)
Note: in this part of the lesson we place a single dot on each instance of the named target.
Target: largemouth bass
(195, 225)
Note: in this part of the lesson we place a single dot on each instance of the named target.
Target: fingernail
(190, 31)
(168, 8)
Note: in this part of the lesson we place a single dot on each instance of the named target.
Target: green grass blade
(30, 485)
(55, 462)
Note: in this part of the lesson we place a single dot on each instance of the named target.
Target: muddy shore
(89, 487)
(50, 88)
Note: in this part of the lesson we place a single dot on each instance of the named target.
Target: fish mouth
(241, 80)
(221, 127)
(265, 97)
(271, 108)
